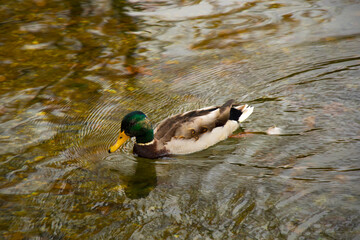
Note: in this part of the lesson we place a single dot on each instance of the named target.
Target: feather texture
(183, 133)
(197, 130)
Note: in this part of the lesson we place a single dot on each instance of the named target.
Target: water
(70, 70)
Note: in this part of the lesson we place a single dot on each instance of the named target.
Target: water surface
(70, 70)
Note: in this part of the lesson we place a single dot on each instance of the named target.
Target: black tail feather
(235, 114)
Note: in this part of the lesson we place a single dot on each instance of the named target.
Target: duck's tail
(240, 113)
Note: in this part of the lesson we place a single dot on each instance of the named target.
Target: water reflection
(143, 181)
(70, 70)
(137, 176)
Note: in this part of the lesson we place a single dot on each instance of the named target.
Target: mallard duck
(184, 133)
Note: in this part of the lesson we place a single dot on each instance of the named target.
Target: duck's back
(196, 130)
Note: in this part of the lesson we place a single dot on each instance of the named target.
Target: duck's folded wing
(194, 123)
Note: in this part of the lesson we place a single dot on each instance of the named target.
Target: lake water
(70, 70)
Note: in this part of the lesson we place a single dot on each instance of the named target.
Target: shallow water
(70, 70)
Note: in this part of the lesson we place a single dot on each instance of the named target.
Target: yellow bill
(120, 141)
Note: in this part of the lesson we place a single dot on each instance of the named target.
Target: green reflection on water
(69, 70)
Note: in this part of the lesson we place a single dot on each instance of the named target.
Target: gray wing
(194, 123)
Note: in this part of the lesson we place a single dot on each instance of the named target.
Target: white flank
(246, 113)
(186, 146)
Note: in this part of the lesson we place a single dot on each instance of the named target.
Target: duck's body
(185, 133)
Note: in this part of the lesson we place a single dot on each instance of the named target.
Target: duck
(183, 133)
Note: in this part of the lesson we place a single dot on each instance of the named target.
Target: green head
(134, 124)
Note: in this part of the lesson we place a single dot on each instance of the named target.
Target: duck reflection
(136, 177)
(143, 181)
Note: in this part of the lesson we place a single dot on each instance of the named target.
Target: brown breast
(149, 151)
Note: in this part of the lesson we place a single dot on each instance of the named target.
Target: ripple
(178, 12)
(238, 29)
(295, 61)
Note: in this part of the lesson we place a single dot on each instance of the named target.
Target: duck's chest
(149, 151)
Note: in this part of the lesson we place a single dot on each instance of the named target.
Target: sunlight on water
(70, 70)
